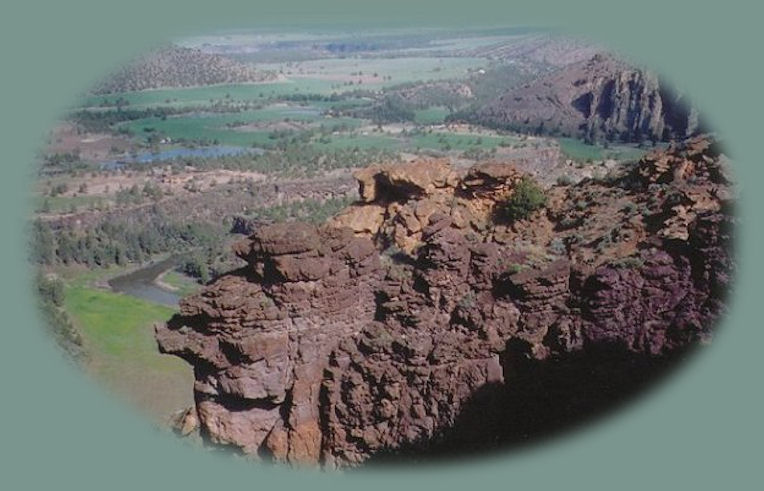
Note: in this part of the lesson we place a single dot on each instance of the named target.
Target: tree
(50, 289)
(392, 109)
(43, 243)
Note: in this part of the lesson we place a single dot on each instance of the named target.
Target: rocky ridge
(598, 98)
(383, 329)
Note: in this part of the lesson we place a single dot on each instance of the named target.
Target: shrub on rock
(526, 198)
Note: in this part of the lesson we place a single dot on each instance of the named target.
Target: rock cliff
(600, 98)
(389, 328)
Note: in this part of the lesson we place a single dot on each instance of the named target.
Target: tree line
(118, 241)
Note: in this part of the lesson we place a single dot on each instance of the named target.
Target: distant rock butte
(599, 98)
(331, 346)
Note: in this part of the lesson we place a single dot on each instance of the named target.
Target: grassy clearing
(118, 335)
(578, 150)
(384, 142)
(431, 115)
(457, 141)
(66, 203)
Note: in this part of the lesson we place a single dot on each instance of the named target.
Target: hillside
(550, 50)
(599, 99)
(175, 66)
(424, 318)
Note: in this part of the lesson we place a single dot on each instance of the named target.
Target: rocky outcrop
(597, 99)
(398, 200)
(259, 338)
(331, 347)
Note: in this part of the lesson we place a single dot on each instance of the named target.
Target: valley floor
(118, 339)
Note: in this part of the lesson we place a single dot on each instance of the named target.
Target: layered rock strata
(378, 330)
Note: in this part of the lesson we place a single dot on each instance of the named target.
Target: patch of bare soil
(67, 138)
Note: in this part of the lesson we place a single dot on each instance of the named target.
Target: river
(141, 283)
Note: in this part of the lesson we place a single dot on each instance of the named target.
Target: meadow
(443, 140)
(118, 335)
(579, 151)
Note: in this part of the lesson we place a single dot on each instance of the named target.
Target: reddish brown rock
(259, 338)
(397, 200)
(330, 347)
(594, 98)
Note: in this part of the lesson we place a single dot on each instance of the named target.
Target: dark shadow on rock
(539, 399)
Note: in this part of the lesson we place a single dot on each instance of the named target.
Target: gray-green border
(702, 429)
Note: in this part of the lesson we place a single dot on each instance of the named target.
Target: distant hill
(175, 66)
(550, 50)
(601, 98)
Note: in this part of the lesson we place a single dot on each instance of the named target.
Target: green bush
(526, 198)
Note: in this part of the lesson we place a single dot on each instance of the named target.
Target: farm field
(249, 128)
(377, 73)
(200, 96)
(322, 77)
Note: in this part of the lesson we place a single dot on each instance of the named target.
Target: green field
(578, 150)
(380, 141)
(431, 115)
(323, 77)
(204, 95)
(380, 72)
(225, 128)
(207, 128)
(118, 335)
(457, 141)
